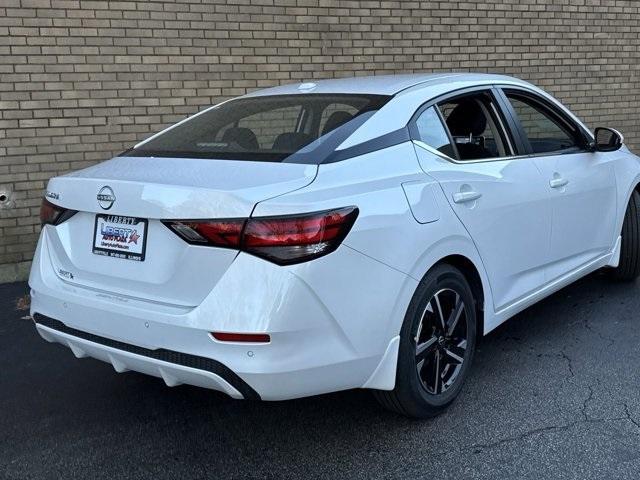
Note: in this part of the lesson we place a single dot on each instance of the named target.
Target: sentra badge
(106, 197)
(66, 274)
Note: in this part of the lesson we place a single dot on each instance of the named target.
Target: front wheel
(629, 267)
(437, 343)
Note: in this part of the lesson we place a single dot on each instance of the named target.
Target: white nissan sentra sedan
(353, 233)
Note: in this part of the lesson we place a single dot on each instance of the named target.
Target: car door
(582, 183)
(502, 200)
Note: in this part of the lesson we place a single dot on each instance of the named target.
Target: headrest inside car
(467, 118)
(291, 142)
(243, 137)
(335, 120)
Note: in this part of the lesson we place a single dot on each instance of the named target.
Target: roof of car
(383, 84)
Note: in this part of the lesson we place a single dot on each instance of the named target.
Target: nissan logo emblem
(106, 197)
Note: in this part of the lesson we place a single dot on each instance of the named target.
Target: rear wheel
(437, 343)
(629, 267)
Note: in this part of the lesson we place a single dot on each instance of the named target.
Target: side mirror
(608, 139)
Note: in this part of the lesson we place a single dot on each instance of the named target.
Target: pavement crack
(481, 447)
(569, 362)
(478, 448)
(583, 410)
(586, 419)
(629, 417)
(589, 327)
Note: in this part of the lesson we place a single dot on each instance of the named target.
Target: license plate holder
(120, 237)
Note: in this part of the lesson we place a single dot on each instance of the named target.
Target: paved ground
(555, 393)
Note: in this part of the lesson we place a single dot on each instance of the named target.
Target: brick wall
(82, 80)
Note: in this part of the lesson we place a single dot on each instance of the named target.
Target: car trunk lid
(150, 190)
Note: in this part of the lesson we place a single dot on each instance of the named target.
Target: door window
(474, 127)
(432, 132)
(545, 131)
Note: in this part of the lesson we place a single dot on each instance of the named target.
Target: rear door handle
(464, 197)
(558, 182)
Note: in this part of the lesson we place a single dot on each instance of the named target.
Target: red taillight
(51, 214)
(284, 240)
(298, 238)
(216, 233)
(241, 337)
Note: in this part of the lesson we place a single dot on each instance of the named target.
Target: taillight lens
(298, 238)
(51, 214)
(215, 233)
(284, 240)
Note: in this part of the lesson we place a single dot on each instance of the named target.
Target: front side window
(304, 128)
(545, 131)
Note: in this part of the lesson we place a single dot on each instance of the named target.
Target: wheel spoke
(440, 341)
(440, 312)
(426, 348)
(453, 358)
(455, 315)
(428, 309)
(436, 386)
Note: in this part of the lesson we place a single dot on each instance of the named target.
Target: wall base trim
(14, 272)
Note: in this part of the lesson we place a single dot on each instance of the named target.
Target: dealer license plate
(120, 237)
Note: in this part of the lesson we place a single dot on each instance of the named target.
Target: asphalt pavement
(554, 394)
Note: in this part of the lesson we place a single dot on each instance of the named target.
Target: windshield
(302, 128)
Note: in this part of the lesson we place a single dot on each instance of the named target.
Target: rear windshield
(303, 128)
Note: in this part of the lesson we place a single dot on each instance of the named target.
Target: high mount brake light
(51, 214)
(284, 240)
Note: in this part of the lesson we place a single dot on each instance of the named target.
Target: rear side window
(545, 131)
(303, 128)
(465, 128)
(432, 132)
(473, 124)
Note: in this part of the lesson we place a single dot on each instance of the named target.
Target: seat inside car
(335, 120)
(290, 142)
(243, 137)
(467, 122)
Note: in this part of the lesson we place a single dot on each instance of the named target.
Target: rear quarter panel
(386, 230)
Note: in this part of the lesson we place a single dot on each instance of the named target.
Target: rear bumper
(174, 368)
(331, 322)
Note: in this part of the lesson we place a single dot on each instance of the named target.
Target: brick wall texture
(82, 80)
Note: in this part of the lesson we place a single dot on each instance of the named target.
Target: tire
(418, 392)
(629, 267)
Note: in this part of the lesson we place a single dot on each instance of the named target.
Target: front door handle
(464, 197)
(558, 182)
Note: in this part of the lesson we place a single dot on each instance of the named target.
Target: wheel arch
(624, 197)
(460, 253)
(472, 275)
